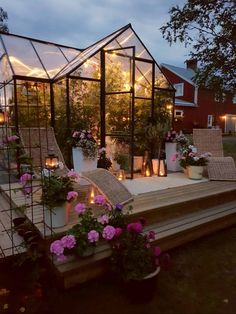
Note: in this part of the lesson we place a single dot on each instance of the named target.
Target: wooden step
(169, 234)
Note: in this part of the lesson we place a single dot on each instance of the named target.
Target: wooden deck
(178, 215)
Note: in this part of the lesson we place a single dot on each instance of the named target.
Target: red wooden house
(198, 107)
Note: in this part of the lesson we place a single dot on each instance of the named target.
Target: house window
(179, 89)
(234, 99)
(179, 114)
(209, 120)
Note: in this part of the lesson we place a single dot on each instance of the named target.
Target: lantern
(51, 161)
(3, 117)
(121, 175)
(162, 167)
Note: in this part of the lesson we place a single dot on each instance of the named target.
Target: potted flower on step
(56, 192)
(136, 261)
(194, 162)
(84, 150)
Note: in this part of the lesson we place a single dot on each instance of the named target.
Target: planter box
(171, 151)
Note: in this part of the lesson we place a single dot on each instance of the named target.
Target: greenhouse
(113, 88)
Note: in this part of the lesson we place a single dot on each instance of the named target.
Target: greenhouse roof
(33, 58)
(26, 57)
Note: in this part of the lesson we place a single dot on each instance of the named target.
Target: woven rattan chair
(219, 168)
(37, 143)
(108, 185)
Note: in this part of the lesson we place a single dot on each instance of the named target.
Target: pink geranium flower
(135, 227)
(99, 199)
(108, 232)
(68, 241)
(56, 247)
(71, 195)
(80, 208)
(93, 236)
(103, 219)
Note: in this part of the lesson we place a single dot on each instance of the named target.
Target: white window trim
(179, 87)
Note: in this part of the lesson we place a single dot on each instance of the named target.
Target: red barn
(198, 107)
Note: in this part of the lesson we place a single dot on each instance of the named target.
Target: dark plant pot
(18, 221)
(141, 291)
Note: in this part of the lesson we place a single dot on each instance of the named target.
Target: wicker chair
(37, 143)
(108, 185)
(219, 168)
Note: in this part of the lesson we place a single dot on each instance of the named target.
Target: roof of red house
(186, 74)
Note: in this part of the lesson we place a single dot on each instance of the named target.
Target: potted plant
(103, 160)
(84, 150)
(93, 226)
(136, 261)
(194, 162)
(56, 192)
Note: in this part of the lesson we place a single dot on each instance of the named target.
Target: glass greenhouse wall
(114, 87)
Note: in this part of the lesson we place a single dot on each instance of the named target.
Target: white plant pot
(171, 151)
(82, 164)
(56, 217)
(195, 172)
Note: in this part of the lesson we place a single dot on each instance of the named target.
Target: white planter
(195, 172)
(82, 164)
(57, 217)
(172, 162)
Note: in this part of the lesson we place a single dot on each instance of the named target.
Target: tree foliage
(209, 28)
(3, 21)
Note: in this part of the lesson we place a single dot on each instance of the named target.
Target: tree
(3, 19)
(209, 28)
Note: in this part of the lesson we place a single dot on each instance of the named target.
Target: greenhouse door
(118, 106)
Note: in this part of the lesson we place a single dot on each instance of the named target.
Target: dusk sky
(80, 23)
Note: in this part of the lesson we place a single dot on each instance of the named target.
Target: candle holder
(162, 166)
(3, 117)
(121, 175)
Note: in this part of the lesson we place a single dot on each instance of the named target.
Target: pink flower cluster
(26, 182)
(58, 246)
(71, 196)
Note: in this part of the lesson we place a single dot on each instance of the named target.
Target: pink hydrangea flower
(73, 174)
(93, 236)
(71, 195)
(56, 247)
(99, 199)
(68, 241)
(135, 227)
(103, 219)
(174, 157)
(108, 232)
(80, 208)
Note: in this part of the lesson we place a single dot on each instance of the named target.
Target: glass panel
(118, 114)
(142, 113)
(160, 79)
(85, 106)
(91, 68)
(70, 53)
(23, 57)
(2, 51)
(128, 38)
(143, 79)
(119, 71)
(87, 53)
(51, 57)
(33, 104)
(5, 70)
(119, 150)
